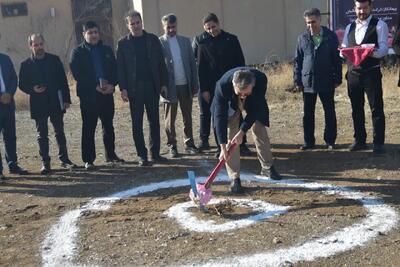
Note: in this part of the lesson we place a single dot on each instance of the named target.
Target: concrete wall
(267, 29)
(58, 30)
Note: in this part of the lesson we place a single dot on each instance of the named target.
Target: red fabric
(357, 54)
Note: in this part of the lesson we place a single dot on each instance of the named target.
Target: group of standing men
(231, 96)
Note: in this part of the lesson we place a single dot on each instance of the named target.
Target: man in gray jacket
(182, 84)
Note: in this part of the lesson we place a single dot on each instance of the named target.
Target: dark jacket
(9, 75)
(317, 69)
(396, 45)
(126, 60)
(225, 102)
(57, 92)
(217, 55)
(84, 72)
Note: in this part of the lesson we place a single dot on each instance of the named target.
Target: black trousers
(145, 97)
(7, 129)
(42, 130)
(369, 82)
(328, 103)
(103, 109)
(205, 117)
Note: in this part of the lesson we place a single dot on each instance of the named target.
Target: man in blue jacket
(242, 89)
(94, 68)
(8, 86)
(317, 72)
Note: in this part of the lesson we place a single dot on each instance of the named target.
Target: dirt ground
(135, 231)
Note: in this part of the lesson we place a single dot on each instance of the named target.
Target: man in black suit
(216, 51)
(43, 78)
(94, 68)
(242, 89)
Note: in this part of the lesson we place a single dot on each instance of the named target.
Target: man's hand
(39, 89)
(238, 138)
(124, 95)
(299, 89)
(108, 89)
(66, 106)
(5, 98)
(224, 152)
(164, 91)
(206, 96)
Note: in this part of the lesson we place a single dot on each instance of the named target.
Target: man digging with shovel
(242, 90)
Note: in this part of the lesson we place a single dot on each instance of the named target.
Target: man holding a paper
(364, 73)
(43, 78)
(94, 68)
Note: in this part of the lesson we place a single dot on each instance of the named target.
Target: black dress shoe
(115, 159)
(307, 146)
(18, 170)
(173, 152)
(358, 146)
(2, 178)
(379, 149)
(330, 147)
(143, 163)
(236, 187)
(159, 159)
(67, 164)
(191, 149)
(271, 173)
(46, 169)
(244, 150)
(204, 145)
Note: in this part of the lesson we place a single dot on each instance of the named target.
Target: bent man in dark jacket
(94, 68)
(317, 72)
(142, 76)
(43, 78)
(238, 90)
(8, 86)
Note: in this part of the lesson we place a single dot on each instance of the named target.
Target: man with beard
(43, 78)
(366, 78)
(94, 68)
(242, 90)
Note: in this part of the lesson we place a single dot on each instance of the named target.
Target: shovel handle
(217, 168)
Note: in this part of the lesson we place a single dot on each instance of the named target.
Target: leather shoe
(67, 164)
(204, 145)
(330, 147)
(173, 152)
(357, 146)
(191, 149)
(46, 169)
(18, 170)
(271, 173)
(89, 166)
(159, 159)
(244, 150)
(2, 178)
(236, 187)
(379, 149)
(143, 163)
(307, 146)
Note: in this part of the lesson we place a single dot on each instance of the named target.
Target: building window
(14, 10)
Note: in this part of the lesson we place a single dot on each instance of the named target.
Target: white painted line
(187, 220)
(60, 244)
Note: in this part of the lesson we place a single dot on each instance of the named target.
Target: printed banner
(343, 13)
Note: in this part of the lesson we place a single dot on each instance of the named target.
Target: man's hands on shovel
(237, 139)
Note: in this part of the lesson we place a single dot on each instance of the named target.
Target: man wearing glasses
(94, 68)
(240, 90)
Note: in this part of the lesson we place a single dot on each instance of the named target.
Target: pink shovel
(201, 193)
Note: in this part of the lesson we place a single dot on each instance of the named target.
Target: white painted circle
(186, 219)
(60, 244)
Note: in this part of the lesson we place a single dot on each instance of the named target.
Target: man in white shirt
(182, 85)
(367, 78)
